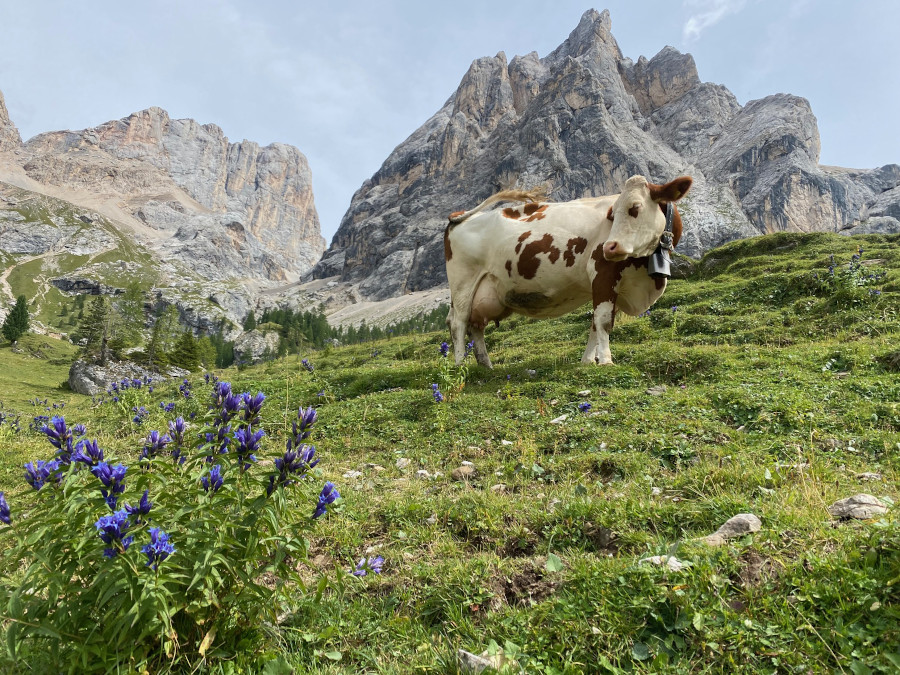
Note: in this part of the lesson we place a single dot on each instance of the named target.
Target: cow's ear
(609, 215)
(671, 191)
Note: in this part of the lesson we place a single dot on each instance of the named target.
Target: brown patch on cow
(448, 251)
(574, 247)
(529, 262)
(671, 191)
(456, 214)
(537, 216)
(633, 211)
(609, 274)
(535, 211)
(509, 267)
(522, 237)
(511, 213)
(609, 215)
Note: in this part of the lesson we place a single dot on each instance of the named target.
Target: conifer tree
(16, 323)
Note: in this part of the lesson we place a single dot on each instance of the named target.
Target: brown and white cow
(546, 259)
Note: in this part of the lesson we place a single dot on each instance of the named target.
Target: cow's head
(638, 221)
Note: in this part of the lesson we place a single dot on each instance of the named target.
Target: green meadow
(767, 381)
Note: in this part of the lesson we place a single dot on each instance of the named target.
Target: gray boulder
(255, 346)
(91, 379)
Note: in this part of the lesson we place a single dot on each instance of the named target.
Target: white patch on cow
(637, 291)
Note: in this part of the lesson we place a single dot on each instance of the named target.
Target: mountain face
(9, 135)
(172, 205)
(229, 210)
(583, 119)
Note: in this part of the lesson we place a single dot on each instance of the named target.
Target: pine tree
(250, 321)
(16, 323)
(95, 330)
(185, 354)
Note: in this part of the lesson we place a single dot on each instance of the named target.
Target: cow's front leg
(598, 342)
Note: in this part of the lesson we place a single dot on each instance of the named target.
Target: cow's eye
(633, 211)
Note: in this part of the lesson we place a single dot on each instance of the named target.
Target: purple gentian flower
(444, 349)
(438, 396)
(327, 496)
(158, 549)
(88, 452)
(142, 509)
(4, 511)
(214, 481)
(584, 407)
(372, 565)
(113, 480)
(37, 473)
(112, 529)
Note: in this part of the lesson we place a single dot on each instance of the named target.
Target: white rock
(353, 474)
(505, 442)
(656, 491)
(423, 474)
(464, 463)
(559, 420)
(742, 523)
(861, 507)
(403, 462)
(584, 392)
(669, 561)
(869, 475)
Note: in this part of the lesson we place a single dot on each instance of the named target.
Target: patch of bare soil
(529, 586)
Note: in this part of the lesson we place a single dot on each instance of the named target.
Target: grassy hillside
(765, 384)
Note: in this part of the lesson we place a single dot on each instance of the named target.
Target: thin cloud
(707, 13)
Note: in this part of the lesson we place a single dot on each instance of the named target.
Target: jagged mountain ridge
(208, 223)
(583, 119)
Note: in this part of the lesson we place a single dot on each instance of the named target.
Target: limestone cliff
(583, 119)
(230, 210)
(9, 135)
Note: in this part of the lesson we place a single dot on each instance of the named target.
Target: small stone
(353, 474)
(669, 561)
(464, 473)
(505, 442)
(868, 475)
(499, 487)
(584, 392)
(471, 663)
(559, 420)
(432, 519)
(554, 401)
(552, 505)
(656, 491)
(861, 507)
(658, 390)
(742, 523)
(403, 462)
(464, 463)
(473, 448)
(423, 474)
(530, 373)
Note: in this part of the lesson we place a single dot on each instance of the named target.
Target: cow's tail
(538, 194)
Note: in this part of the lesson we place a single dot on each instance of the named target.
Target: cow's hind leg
(598, 342)
(481, 354)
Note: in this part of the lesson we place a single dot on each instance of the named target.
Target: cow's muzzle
(614, 251)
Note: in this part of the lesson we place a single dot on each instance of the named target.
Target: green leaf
(640, 651)
(334, 656)
(554, 563)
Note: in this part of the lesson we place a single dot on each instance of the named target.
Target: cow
(545, 259)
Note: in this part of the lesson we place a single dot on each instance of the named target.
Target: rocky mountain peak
(582, 120)
(9, 134)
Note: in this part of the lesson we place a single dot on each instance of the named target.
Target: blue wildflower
(327, 496)
(37, 473)
(142, 509)
(113, 480)
(252, 407)
(60, 437)
(307, 365)
(4, 511)
(247, 444)
(154, 444)
(177, 427)
(214, 480)
(584, 407)
(158, 549)
(365, 565)
(444, 349)
(469, 347)
(88, 452)
(438, 396)
(306, 418)
(112, 530)
(292, 466)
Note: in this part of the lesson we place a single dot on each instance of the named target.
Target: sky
(349, 82)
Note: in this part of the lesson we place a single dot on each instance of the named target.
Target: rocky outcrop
(229, 210)
(9, 135)
(92, 379)
(255, 346)
(582, 120)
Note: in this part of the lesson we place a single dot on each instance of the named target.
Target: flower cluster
(88, 452)
(112, 530)
(327, 496)
(142, 509)
(177, 429)
(247, 445)
(444, 349)
(167, 407)
(252, 406)
(185, 388)
(37, 473)
(214, 480)
(366, 565)
(292, 466)
(438, 396)
(113, 480)
(140, 414)
(4, 511)
(307, 365)
(154, 444)
(158, 549)
(584, 407)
